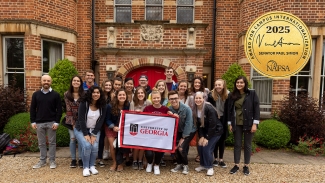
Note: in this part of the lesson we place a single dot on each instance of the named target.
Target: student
(143, 81)
(118, 103)
(89, 79)
(156, 107)
(162, 88)
(198, 85)
(72, 99)
(243, 118)
(218, 98)
(171, 84)
(117, 84)
(209, 130)
(138, 103)
(183, 93)
(107, 87)
(91, 116)
(45, 115)
(186, 131)
(129, 88)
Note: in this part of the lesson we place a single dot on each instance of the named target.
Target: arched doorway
(153, 73)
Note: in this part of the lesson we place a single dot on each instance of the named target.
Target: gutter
(213, 60)
(93, 61)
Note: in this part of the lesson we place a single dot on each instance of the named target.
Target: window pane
(184, 14)
(263, 88)
(184, 2)
(15, 52)
(19, 79)
(154, 13)
(155, 2)
(123, 14)
(122, 1)
(52, 52)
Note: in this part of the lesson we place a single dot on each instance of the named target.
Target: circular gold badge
(278, 44)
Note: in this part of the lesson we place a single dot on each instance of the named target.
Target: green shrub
(230, 141)
(272, 134)
(17, 124)
(62, 135)
(231, 75)
(61, 74)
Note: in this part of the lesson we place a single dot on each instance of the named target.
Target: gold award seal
(278, 44)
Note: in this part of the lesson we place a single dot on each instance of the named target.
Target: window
(302, 81)
(185, 11)
(154, 9)
(263, 88)
(123, 11)
(51, 52)
(14, 60)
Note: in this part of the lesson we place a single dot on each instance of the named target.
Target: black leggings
(220, 145)
(151, 154)
(101, 143)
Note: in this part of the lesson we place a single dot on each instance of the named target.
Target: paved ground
(266, 166)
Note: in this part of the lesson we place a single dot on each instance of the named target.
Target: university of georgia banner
(147, 131)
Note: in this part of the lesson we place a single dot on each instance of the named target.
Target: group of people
(94, 112)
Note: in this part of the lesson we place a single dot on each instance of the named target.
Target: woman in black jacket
(209, 130)
(91, 116)
(218, 98)
(243, 118)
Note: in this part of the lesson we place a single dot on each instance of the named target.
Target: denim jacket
(185, 121)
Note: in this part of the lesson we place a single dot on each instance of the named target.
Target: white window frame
(4, 55)
(265, 108)
(62, 53)
(193, 5)
(154, 5)
(122, 5)
(309, 75)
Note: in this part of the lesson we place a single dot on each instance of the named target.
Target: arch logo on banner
(278, 44)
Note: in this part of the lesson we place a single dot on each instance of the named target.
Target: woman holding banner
(156, 108)
(138, 103)
(91, 116)
(209, 130)
(118, 103)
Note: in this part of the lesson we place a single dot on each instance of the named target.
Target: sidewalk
(265, 156)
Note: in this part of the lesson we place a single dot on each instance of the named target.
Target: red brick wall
(56, 12)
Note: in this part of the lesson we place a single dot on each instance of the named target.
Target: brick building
(144, 36)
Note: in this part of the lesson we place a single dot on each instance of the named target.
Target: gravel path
(19, 169)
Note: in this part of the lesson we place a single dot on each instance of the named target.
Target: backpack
(4, 140)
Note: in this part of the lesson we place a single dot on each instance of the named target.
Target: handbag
(64, 123)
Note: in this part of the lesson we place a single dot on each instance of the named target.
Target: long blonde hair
(224, 93)
(164, 95)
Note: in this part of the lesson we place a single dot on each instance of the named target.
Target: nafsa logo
(133, 129)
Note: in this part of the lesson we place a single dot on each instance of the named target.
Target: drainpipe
(213, 60)
(93, 61)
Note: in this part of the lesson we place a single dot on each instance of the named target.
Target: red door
(153, 73)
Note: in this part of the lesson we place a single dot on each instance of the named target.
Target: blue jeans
(73, 146)
(89, 151)
(42, 130)
(206, 152)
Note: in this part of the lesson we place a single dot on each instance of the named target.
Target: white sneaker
(86, 172)
(52, 165)
(156, 170)
(200, 168)
(93, 170)
(105, 154)
(149, 167)
(210, 172)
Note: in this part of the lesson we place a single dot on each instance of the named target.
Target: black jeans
(120, 152)
(151, 154)
(248, 136)
(181, 156)
(101, 143)
(221, 144)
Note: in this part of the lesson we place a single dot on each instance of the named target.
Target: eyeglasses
(171, 99)
(143, 80)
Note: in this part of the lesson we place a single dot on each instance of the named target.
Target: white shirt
(92, 118)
